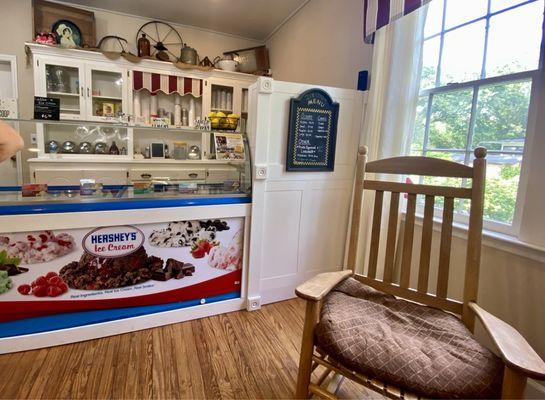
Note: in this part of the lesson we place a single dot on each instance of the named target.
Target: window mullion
(485, 47)
(472, 119)
(426, 131)
(441, 43)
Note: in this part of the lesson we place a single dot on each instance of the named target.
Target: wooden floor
(231, 356)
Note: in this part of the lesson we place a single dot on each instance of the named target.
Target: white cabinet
(167, 173)
(225, 95)
(113, 176)
(55, 176)
(87, 91)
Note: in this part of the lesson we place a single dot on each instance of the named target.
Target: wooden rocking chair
(517, 359)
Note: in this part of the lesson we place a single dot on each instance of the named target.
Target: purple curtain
(379, 13)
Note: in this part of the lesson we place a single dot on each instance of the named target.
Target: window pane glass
(430, 59)
(502, 115)
(502, 180)
(497, 5)
(444, 181)
(434, 18)
(514, 40)
(460, 11)
(420, 124)
(449, 120)
(463, 54)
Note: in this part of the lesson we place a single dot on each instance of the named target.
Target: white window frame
(512, 229)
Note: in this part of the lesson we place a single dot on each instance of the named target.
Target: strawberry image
(202, 248)
(198, 252)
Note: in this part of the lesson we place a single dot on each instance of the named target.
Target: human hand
(10, 141)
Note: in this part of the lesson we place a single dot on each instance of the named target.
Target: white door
(9, 169)
(105, 91)
(305, 214)
(63, 80)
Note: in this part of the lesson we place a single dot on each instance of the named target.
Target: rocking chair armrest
(515, 351)
(315, 289)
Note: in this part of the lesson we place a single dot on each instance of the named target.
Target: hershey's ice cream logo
(113, 241)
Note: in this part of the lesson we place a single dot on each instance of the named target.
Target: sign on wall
(312, 132)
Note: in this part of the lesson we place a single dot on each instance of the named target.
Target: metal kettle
(188, 55)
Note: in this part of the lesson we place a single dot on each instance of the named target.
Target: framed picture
(157, 150)
(254, 60)
(46, 14)
(68, 34)
(108, 109)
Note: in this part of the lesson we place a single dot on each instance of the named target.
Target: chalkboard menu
(46, 108)
(312, 132)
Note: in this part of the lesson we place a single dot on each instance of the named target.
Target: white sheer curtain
(395, 82)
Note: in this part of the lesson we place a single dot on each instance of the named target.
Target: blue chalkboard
(312, 132)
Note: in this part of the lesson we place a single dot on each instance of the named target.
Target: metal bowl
(101, 148)
(194, 153)
(85, 148)
(69, 147)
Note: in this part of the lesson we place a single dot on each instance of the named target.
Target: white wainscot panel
(278, 139)
(281, 233)
(348, 129)
(323, 229)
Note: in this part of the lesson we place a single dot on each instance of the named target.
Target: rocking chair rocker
(404, 341)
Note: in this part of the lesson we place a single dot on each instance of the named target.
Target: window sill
(496, 240)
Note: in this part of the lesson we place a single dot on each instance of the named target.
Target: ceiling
(253, 19)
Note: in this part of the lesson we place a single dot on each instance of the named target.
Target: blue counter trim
(72, 320)
(112, 205)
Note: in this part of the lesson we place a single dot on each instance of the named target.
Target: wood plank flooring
(239, 355)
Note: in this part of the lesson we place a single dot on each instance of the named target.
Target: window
(480, 58)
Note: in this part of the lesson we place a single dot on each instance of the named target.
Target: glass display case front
(75, 161)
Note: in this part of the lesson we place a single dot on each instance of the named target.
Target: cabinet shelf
(62, 94)
(115, 98)
(120, 160)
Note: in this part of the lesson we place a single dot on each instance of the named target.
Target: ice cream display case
(82, 256)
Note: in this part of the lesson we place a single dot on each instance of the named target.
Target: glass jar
(180, 151)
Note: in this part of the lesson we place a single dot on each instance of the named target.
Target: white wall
(322, 44)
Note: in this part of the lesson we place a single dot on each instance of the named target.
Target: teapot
(226, 63)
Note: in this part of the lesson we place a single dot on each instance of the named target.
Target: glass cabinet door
(222, 98)
(64, 82)
(106, 93)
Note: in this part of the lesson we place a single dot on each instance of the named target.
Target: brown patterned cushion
(417, 348)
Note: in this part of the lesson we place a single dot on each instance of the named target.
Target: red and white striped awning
(166, 83)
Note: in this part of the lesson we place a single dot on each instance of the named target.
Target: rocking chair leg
(514, 384)
(307, 349)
